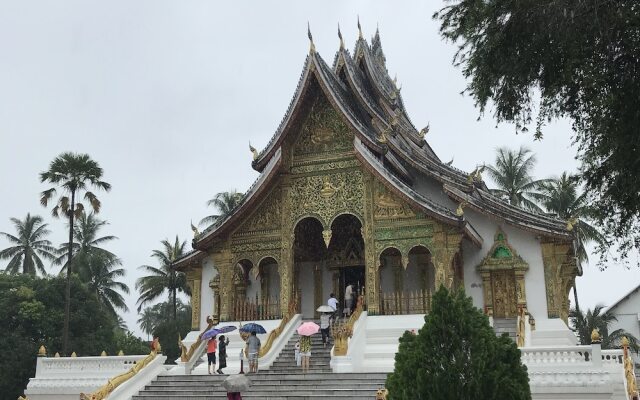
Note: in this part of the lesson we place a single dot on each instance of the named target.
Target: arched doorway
(309, 253)
(269, 289)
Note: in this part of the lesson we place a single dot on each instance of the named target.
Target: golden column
(223, 261)
(446, 245)
(372, 299)
(285, 267)
(194, 278)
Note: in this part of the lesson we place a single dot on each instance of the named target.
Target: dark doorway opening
(353, 275)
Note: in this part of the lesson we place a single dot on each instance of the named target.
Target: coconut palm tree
(512, 174)
(74, 174)
(86, 245)
(585, 323)
(225, 203)
(164, 278)
(562, 197)
(147, 321)
(102, 273)
(29, 246)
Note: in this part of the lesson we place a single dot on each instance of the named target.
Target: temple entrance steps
(506, 325)
(283, 380)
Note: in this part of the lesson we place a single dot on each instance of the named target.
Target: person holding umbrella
(305, 331)
(222, 354)
(325, 322)
(211, 354)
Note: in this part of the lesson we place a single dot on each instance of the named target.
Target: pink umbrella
(308, 329)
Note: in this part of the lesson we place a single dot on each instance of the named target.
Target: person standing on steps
(333, 303)
(348, 300)
(253, 344)
(324, 328)
(211, 354)
(222, 354)
(296, 353)
(305, 352)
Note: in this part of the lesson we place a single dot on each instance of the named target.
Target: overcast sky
(166, 96)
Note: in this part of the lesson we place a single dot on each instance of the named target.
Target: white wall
(206, 293)
(627, 311)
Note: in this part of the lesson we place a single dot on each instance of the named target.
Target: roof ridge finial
(359, 28)
(312, 47)
(340, 36)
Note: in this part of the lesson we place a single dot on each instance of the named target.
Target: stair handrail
(521, 326)
(629, 373)
(342, 332)
(185, 355)
(273, 335)
(118, 380)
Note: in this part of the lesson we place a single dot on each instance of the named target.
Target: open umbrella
(211, 333)
(325, 308)
(308, 329)
(253, 327)
(236, 383)
(226, 329)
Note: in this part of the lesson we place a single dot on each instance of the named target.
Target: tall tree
(224, 203)
(164, 278)
(574, 59)
(512, 174)
(562, 196)
(86, 244)
(456, 355)
(584, 323)
(29, 246)
(147, 321)
(103, 273)
(74, 174)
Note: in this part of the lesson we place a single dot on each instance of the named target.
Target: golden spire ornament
(254, 151)
(312, 47)
(359, 29)
(340, 36)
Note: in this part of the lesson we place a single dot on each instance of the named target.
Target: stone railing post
(596, 348)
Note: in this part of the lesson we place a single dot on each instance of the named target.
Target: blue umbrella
(253, 327)
(226, 329)
(211, 333)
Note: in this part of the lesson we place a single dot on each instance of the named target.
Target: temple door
(505, 300)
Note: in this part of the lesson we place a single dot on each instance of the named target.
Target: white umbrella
(325, 308)
(236, 383)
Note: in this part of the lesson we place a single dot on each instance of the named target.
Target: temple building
(350, 192)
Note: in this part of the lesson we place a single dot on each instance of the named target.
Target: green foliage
(573, 59)
(129, 343)
(512, 173)
(168, 329)
(29, 247)
(225, 203)
(31, 314)
(585, 323)
(456, 355)
(164, 278)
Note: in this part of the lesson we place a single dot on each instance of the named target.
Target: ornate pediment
(502, 256)
(388, 206)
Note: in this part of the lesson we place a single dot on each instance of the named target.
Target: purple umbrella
(211, 333)
(226, 329)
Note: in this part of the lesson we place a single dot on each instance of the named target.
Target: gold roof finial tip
(196, 233)
(254, 151)
(312, 47)
(359, 29)
(460, 209)
(340, 36)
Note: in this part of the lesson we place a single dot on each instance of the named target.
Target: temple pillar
(194, 279)
(372, 295)
(214, 284)
(224, 263)
(487, 292)
(443, 254)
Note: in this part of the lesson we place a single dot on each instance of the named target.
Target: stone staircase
(284, 380)
(506, 325)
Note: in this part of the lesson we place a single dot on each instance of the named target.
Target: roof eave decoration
(206, 238)
(190, 259)
(432, 209)
(315, 67)
(514, 216)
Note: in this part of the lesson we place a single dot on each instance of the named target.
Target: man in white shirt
(348, 300)
(333, 303)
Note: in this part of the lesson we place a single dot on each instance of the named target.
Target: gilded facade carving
(503, 273)
(323, 131)
(559, 273)
(387, 205)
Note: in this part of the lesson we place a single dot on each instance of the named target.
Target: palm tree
(163, 278)
(29, 246)
(147, 321)
(512, 174)
(86, 245)
(74, 174)
(225, 203)
(102, 273)
(584, 324)
(561, 196)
